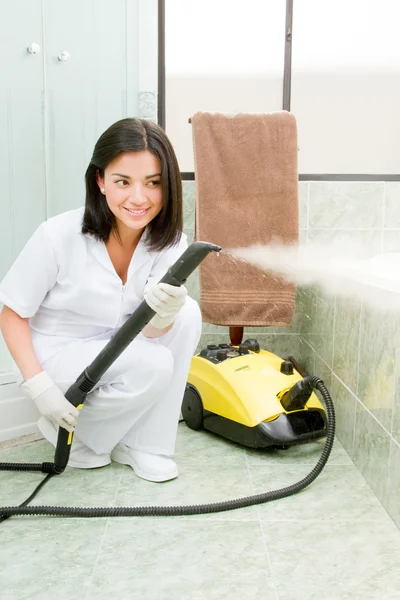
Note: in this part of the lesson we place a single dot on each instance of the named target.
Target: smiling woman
(78, 280)
(135, 164)
(131, 186)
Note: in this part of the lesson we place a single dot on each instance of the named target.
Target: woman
(79, 278)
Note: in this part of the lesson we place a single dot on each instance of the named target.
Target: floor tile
(16, 486)
(79, 487)
(4, 453)
(201, 483)
(332, 541)
(43, 558)
(335, 560)
(307, 454)
(37, 452)
(339, 493)
(180, 560)
(74, 487)
(196, 447)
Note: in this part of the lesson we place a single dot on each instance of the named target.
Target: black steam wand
(77, 392)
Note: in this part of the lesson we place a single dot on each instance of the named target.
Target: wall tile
(190, 235)
(303, 236)
(346, 339)
(353, 213)
(345, 410)
(307, 307)
(392, 503)
(219, 329)
(372, 451)
(368, 241)
(306, 356)
(193, 285)
(322, 371)
(346, 205)
(303, 204)
(391, 240)
(189, 203)
(320, 334)
(280, 344)
(396, 402)
(392, 205)
(379, 336)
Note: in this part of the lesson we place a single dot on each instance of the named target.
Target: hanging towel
(246, 194)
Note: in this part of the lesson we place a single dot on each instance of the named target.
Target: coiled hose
(196, 509)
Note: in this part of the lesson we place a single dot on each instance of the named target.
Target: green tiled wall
(354, 348)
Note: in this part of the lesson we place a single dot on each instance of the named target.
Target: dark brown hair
(135, 135)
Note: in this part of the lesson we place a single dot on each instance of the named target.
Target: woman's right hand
(50, 401)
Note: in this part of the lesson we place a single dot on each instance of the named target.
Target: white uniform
(66, 284)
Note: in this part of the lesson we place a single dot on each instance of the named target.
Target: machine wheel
(192, 408)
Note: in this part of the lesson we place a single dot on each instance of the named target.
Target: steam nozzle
(188, 262)
(296, 397)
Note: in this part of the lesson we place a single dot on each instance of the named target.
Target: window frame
(286, 99)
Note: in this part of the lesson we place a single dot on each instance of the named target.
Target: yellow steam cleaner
(243, 393)
(252, 397)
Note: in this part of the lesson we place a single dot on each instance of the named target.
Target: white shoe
(80, 457)
(153, 467)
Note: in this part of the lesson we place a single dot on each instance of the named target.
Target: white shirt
(65, 283)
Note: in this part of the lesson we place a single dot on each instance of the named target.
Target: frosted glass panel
(22, 198)
(224, 56)
(85, 94)
(346, 85)
(113, 59)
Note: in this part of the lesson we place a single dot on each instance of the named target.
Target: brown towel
(246, 194)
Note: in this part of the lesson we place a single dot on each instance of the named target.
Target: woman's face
(132, 188)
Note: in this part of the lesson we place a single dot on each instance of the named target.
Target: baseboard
(18, 415)
(23, 440)
(7, 377)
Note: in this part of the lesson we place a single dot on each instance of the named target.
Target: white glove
(50, 401)
(166, 300)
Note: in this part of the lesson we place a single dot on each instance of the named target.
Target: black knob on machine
(252, 345)
(222, 355)
(287, 367)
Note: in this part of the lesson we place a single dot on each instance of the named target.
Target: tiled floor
(332, 541)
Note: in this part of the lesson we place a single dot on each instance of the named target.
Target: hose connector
(296, 397)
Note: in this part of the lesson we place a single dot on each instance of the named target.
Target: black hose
(155, 511)
(46, 467)
(31, 497)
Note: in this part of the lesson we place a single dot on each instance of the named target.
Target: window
(221, 56)
(345, 90)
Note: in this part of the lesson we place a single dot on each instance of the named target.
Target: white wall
(18, 415)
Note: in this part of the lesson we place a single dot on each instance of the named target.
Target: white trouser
(138, 399)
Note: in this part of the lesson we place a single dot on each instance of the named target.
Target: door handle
(33, 48)
(64, 56)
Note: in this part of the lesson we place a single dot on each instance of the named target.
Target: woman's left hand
(166, 300)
